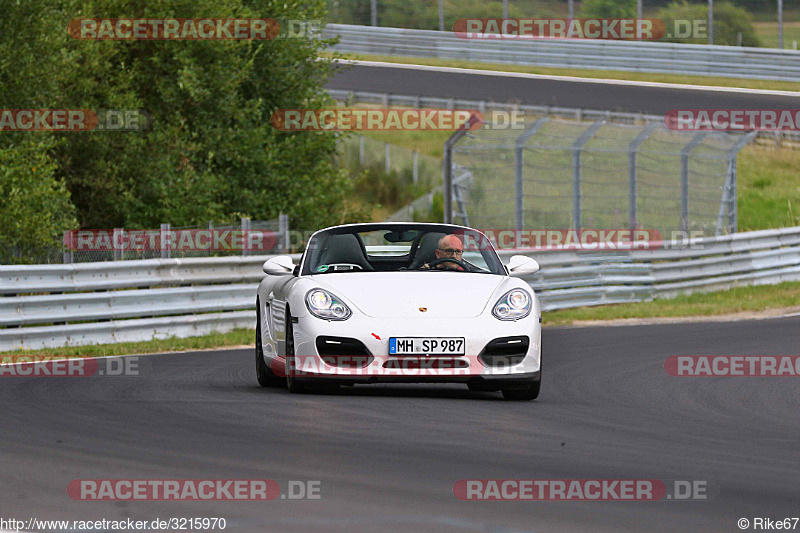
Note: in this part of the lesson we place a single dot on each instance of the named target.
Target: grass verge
(737, 300)
(583, 73)
(767, 33)
(236, 337)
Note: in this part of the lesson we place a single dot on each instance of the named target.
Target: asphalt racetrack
(387, 456)
(635, 97)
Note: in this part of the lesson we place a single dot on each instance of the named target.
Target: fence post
(117, 244)
(414, 167)
(165, 242)
(576, 171)
(245, 236)
(386, 158)
(361, 150)
(633, 193)
(68, 247)
(447, 166)
(519, 146)
(729, 192)
(685, 151)
(283, 232)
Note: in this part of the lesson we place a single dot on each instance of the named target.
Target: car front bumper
(375, 364)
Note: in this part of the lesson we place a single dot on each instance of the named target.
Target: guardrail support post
(576, 171)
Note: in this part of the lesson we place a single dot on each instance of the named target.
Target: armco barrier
(87, 303)
(635, 56)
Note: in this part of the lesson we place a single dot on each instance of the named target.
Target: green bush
(729, 21)
(608, 9)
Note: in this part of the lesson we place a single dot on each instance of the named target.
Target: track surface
(387, 456)
(533, 91)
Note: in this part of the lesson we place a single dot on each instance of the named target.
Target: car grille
(505, 351)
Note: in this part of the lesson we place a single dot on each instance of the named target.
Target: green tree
(34, 201)
(210, 152)
(608, 9)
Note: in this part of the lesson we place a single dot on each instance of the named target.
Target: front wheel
(527, 394)
(265, 377)
(524, 395)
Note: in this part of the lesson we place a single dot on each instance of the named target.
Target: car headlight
(323, 304)
(514, 304)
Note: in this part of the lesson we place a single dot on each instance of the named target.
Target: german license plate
(426, 345)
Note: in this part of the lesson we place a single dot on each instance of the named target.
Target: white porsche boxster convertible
(399, 302)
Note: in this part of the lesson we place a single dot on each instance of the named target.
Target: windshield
(400, 248)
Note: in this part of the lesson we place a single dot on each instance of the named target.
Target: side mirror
(522, 265)
(279, 265)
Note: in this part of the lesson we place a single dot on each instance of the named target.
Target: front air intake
(505, 351)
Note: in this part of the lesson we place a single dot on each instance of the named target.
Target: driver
(449, 247)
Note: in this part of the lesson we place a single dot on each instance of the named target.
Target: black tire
(523, 395)
(264, 375)
(294, 384)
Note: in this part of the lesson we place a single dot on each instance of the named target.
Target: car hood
(403, 294)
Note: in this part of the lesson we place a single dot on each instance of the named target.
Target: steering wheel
(441, 260)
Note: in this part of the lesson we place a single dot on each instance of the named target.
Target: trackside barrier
(597, 54)
(88, 303)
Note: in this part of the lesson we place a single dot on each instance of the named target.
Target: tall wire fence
(558, 174)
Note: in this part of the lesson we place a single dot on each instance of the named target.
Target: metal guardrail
(124, 301)
(582, 277)
(788, 138)
(87, 303)
(633, 56)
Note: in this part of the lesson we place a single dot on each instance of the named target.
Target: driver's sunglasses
(451, 251)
